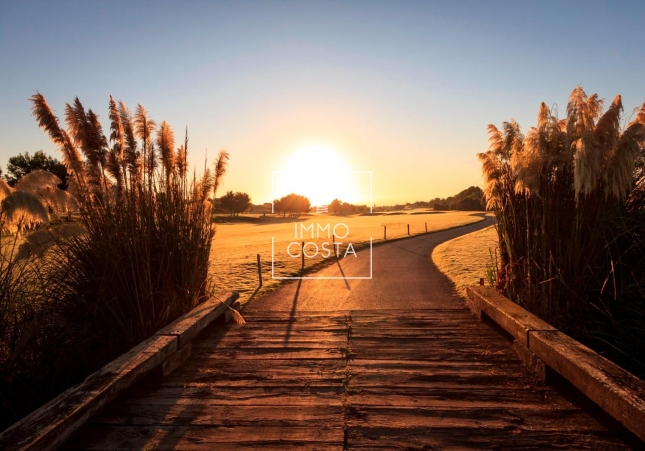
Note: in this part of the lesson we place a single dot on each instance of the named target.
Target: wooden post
(302, 252)
(426, 227)
(259, 270)
(385, 232)
(408, 229)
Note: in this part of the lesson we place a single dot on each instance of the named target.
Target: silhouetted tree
(234, 203)
(294, 204)
(242, 202)
(335, 207)
(345, 208)
(471, 198)
(23, 164)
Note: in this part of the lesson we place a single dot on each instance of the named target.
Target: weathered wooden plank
(411, 323)
(238, 396)
(450, 341)
(518, 417)
(170, 365)
(458, 396)
(269, 334)
(277, 330)
(256, 378)
(158, 438)
(477, 438)
(465, 354)
(208, 345)
(330, 320)
(189, 325)
(403, 315)
(265, 381)
(332, 325)
(208, 445)
(413, 372)
(230, 365)
(287, 353)
(406, 312)
(185, 413)
(615, 390)
(460, 379)
(361, 365)
(49, 426)
(510, 316)
(476, 333)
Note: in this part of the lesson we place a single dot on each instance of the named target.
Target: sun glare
(317, 172)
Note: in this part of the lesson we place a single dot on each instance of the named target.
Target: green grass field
(238, 241)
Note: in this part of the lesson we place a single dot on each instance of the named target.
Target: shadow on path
(343, 274)
(292, 314)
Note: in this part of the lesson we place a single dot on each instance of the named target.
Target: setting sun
(319, 173)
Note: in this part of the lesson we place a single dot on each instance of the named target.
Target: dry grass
(236, 244)
(141, 259)
(465, 259)
(570, 206)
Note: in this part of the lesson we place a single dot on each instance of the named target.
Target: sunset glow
(259, 210)
(320, 173)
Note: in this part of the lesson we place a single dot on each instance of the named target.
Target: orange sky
(402, 89)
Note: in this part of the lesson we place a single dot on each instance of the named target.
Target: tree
(235, 203)
(227, 202)
(335, 207)
(242, 202)
(343, 208)
(21, 165)
(294, 204)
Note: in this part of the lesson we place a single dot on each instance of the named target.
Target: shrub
(569, 208)
(144, 259)
(140, 262)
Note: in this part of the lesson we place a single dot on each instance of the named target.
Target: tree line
(471, 198)
(338, 207)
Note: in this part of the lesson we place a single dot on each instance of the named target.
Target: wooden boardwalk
(381, 379)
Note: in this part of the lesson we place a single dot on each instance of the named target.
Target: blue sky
(404, 89)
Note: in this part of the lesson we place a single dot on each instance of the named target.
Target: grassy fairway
(238, 240)
(464, 259)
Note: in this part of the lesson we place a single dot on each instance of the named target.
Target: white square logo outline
(317, 278)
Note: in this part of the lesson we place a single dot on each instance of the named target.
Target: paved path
(403, 276)
(355, 374)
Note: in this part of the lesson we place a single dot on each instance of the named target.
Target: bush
(141, 262)
(569, 207)
(144, 260)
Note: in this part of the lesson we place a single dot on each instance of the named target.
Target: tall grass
(144, 259)
(568, 197)
(140, 262)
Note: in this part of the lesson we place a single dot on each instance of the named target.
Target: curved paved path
(403, 276)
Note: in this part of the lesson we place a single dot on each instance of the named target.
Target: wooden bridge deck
(383, 379)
